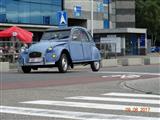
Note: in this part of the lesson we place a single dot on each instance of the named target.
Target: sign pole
(14, 34)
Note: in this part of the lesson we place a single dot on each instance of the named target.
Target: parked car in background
(155, 49)
(61, 48)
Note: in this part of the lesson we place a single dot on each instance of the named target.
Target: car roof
(65, 28)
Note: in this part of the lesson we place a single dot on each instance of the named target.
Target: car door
(76, 50)
(86, 45)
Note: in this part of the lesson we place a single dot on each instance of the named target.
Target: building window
(30, 11)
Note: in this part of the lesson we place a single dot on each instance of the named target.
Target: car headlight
(54, 56)
(50, 49)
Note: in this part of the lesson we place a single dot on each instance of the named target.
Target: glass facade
(42, 12)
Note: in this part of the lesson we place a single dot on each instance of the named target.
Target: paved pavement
(81, 95)
(104, 106)
(83, 106)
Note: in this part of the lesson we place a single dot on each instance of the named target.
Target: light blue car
(61, 48)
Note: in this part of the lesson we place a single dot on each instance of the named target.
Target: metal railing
(9, 51)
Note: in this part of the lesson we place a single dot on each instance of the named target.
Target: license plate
(35, 59)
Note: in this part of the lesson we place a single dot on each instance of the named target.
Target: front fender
(96, 54)
(58, 51)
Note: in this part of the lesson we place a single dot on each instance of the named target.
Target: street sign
(77, 11)
(62, 18)
(46, 20)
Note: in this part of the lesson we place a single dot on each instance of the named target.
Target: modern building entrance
(122, 41)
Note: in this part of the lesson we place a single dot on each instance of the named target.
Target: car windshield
(54, 35)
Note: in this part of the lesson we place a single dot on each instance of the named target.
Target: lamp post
(92, 18)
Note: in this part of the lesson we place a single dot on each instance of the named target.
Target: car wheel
(26, 69)
(95, 66)
(63, 63)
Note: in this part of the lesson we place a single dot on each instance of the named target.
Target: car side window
(76, 36)
(84, 36)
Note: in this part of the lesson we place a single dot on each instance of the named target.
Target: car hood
(44, 45)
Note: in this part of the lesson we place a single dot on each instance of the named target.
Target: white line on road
(115, 99)
(132, 95)
(88, 105)
(68, 114)
(140, 73)
(123, 76)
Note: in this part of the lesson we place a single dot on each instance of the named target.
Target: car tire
(63, 63)
(95, 66)
(26, 69)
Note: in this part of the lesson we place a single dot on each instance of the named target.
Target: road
(115, 93)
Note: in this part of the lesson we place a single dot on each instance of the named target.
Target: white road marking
(68, 114)
(123, 76)
(139, 73)
(132, 95)
(88, 105)
(129, 100)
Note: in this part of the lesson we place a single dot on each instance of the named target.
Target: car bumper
(40, 63)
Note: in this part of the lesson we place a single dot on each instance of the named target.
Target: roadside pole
(92, 18)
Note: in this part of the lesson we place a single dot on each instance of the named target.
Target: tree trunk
(155, 39)
(152, 40)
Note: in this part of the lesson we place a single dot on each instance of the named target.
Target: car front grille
(35, 54)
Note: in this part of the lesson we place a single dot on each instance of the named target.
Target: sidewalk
(149, 86)
(152, 58)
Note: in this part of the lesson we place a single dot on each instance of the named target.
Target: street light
(92, 18)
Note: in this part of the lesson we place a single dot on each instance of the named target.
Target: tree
(148, 16)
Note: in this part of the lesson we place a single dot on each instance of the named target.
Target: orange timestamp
(137, 109)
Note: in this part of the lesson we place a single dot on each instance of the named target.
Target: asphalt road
(115, 93)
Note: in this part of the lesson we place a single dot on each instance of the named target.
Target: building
(112, 19)
(39, 15)
(34, 15)
(107, 13)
